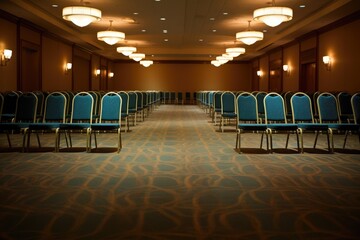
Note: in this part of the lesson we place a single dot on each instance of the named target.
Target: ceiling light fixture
(273, 16)
(235, 51)
(146, 63)
(227, 56)
(222, 59)
(126, 50)
(137, 56)
(249, 37)
(110, 36)
(216, 63)
(81, 15)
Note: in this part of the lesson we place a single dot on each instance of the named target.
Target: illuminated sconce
(68, 67)
(286, 68)
(327, 62)
(5, 56)
(259, 73)
(97, 72)
(111, 74)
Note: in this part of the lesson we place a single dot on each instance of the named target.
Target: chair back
(287, 99)
(217, 101)
(247, 108)
(26, 108)
(344, 101)
(139, 100)
(301, 108)
(41, 99)
(10, 104)
(111, 104)
(328, 108)
(133, 101)
(228, 102)
(55, 107)
(355, 104)
(260, 101)
(82, 107)
(96, 105)
(125, 102)
(274, 108)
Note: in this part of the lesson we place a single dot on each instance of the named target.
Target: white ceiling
(191, 33)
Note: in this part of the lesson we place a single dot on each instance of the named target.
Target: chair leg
(38, 139)
(346, 135)
(8, 138)
(57, 140)
(328, 141)
(299, 137)
(270, 138)
(119, 140)
(24, 139)
(88, 139)
(261, 140)
(287, 141)
(316, 138)
(331, 139)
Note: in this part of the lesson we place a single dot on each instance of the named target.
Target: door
(308, 78)
(30, 67)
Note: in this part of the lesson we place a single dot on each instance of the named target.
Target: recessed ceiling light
(166, 40)
(225, 13)
(212, 19)
(201, 40)
(264, 30)
(135, 13)
(162, 19)
(55, 5)
(214, 30)
(164, 31)
(144, 30)
(157, 0)
(302, 6)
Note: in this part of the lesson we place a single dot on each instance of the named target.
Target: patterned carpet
(177, 177)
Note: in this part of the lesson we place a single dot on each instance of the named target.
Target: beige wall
(8, 74)
(291, 58)
(342, 45)
(182, 77)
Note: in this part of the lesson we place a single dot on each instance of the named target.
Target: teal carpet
(177, 177)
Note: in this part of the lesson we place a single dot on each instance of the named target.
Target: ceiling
(197, 30)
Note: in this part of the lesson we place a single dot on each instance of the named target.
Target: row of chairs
(244, 110)
(177, 97)
(113, 108)
(210, 100)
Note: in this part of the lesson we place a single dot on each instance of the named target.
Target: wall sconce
(286, 68)
(97, 72)
(259, 73)
(111, 74)
(68, 67)
(5, 56)
(327, 62)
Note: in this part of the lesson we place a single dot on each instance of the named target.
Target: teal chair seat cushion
(283, 126)
(4, 127)
(105, 126)
(44, 126)
(252, 126)
(313, 126)
(345, 126)
(74, 126)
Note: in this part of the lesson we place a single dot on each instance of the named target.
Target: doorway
(308, 78)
